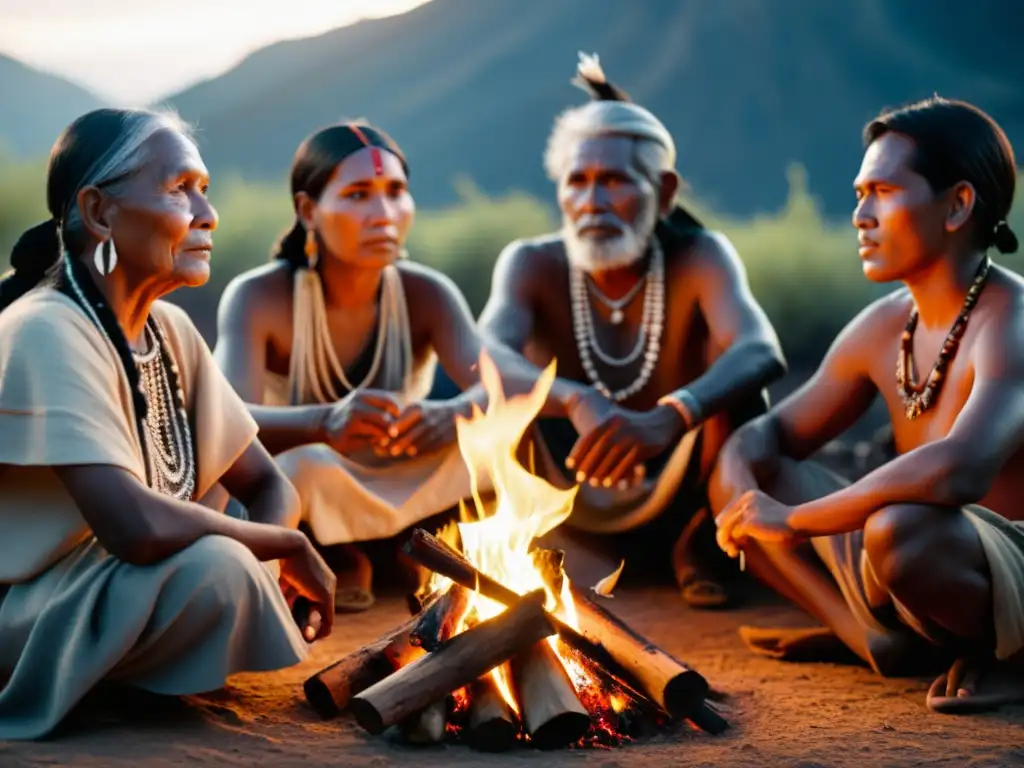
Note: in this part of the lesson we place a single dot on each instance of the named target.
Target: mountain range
(747, 87)
(35, 107)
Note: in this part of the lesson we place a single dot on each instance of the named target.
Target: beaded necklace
(167, 447)
(648, 341)
(917, 399)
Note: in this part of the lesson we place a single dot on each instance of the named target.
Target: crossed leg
(798, 574)
(925, 565)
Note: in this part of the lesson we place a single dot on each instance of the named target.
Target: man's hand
(754, 515)
(614, 442)
(360, 419)
(422, 427)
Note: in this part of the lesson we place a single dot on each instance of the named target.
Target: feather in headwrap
(611, 112)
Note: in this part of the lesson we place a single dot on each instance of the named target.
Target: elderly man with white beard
(661, 349)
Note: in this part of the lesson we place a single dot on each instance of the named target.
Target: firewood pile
(481, 665)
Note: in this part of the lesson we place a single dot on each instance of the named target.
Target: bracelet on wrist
(687, 406)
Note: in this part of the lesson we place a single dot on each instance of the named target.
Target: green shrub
(803, 267)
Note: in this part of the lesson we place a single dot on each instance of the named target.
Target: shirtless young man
(652, 324)
(925, 553)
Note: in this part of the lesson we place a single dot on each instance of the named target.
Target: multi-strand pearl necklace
(168, 437)
(648, 340)
(168, 449)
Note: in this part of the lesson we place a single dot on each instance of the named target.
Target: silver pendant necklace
(648, 340)
(617, 306)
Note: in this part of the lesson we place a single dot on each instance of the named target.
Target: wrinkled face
(901, 222)
(161, 222)
(365, 211)
(609, 209)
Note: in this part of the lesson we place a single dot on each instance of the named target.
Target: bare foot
(970, 686)
(797, 644)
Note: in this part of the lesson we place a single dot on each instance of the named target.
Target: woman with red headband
(334, 346)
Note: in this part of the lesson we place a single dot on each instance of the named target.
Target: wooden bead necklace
(917, 399)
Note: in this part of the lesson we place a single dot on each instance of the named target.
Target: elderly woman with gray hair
(116, 423)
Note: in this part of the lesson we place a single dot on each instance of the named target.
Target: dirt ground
(781, 714)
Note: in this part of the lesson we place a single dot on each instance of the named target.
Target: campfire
(502, 649)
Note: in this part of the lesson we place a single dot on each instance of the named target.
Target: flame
(496, 535)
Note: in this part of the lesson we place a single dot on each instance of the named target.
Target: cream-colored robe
(72, 614)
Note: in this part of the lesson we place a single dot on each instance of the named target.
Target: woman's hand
(423, 427)
(361, 419)
(306, 575)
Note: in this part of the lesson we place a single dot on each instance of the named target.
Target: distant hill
(746, 86)
(35, 107)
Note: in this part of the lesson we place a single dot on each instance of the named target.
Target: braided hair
(102, 149)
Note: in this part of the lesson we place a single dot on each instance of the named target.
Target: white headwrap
(611, 114)
(602, 118)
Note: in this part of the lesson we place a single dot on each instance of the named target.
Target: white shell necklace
(169, 451)
(648, 341)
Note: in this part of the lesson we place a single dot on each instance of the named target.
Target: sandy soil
(782, 714)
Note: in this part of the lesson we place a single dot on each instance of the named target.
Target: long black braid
(75, 282)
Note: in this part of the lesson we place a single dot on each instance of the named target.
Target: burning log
(455, 664)
(437, 625)
(552, 713)
(428, 725)
(331, 689)
(680, 691)
(439, 622)
(492, 725)
(606, 641)
(549, 564)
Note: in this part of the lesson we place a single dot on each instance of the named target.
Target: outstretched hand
(754, 515)
(614, 442)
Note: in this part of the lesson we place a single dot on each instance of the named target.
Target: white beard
(621, 251)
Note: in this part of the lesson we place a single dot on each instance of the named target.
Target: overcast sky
(135, 51)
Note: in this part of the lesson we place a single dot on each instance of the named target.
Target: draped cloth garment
(71, 614)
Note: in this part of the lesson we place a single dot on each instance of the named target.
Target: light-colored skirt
(177, 627)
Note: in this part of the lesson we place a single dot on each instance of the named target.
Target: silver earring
(105, 257)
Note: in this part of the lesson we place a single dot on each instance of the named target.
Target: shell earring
(312, 250)
(105, 257)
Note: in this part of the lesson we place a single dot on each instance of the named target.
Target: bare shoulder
(1004, 294)
(705, 253)
(531, 260)
(260, 294)
(424, 285)
(999, 315)
(881, 322)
